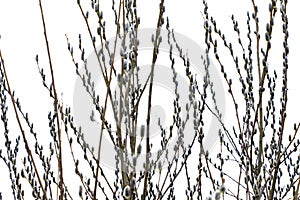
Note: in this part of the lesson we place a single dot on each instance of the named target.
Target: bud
(126, 192)
(159, 165)
(270, 7)
(121, 51)
(222, 189)
(139, 149)
(133, 182)
(142, 130)
(217, 195)
(267, 37)
(268, 27)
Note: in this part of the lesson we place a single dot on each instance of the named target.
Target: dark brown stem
(21, 128)
(154, 57)
(297, 190)
(61, 180)
(105, 108)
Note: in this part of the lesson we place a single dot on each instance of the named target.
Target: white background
(22, 38)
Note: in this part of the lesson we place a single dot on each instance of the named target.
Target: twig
(61, 180)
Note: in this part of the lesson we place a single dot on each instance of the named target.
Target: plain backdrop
(22, 38)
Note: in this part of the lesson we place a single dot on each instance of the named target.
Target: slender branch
(21, 128)
(154, 57)
(60, 168)
(105, 108)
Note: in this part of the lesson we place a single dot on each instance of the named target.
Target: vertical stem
(154, 57)
(105, 106)
(297, 190)
(260, 124)
(61, 181)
